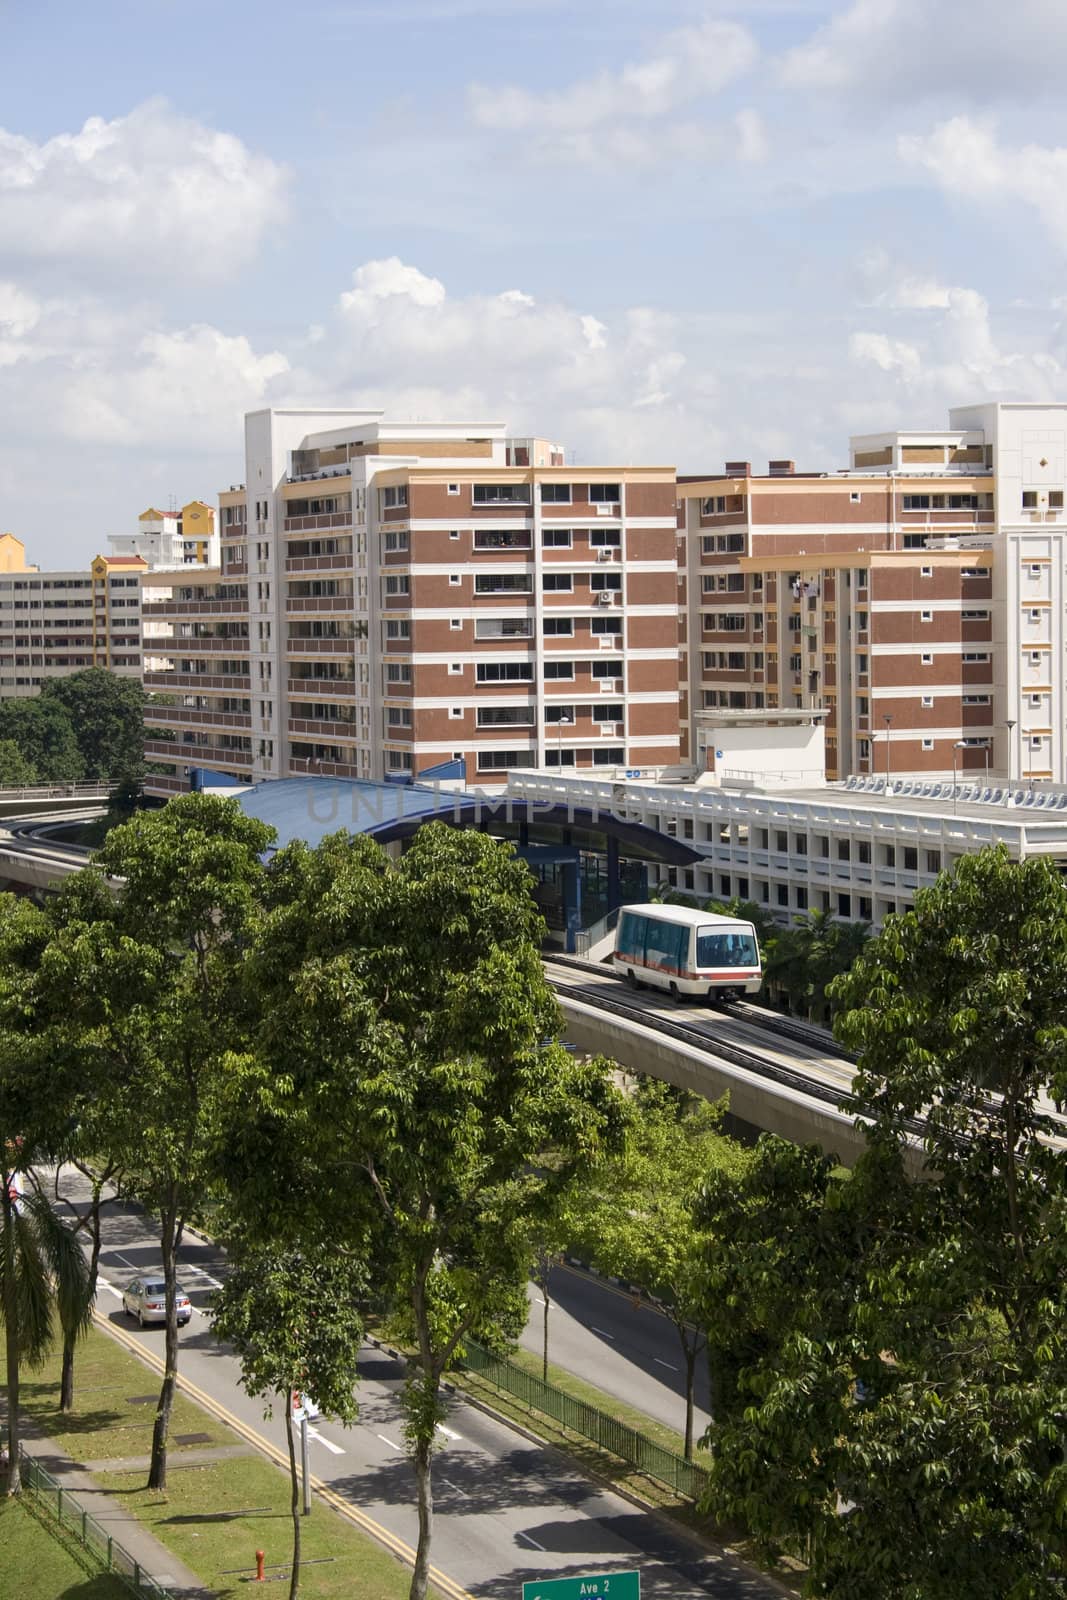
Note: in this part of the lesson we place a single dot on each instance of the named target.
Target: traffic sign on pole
(594, 1586)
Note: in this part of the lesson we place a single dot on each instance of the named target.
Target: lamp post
(959, 745)
(888, 724)
(564, 722)
(1010, 725)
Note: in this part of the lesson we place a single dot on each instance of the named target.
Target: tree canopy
(106, 713)
(900, 1410)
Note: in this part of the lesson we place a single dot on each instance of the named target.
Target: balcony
(195, 716)
(346, 731)
(170, 682)
(335, 563)
(311, 524)
(345, 687)
(193, 754)
(320, 603)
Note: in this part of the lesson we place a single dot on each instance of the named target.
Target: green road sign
(596, 1586)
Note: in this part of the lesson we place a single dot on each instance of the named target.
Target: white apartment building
(167, 539)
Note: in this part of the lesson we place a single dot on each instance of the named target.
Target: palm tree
(43, 1274)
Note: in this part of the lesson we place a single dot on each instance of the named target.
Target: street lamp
(961, 744)
(888, 724)
(564, 722)
(1010, 725)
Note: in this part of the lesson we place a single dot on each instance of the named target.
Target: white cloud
(689, 64)
(966, 161)
(153, 194)
(629, 116)
(388, 280)
(891, 355)
(903, 50)
(753, 143)
(951, 348)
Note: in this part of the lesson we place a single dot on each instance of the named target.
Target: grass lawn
(213, 1516)
(216, 1516)
(39, 1564)
(113, 1415)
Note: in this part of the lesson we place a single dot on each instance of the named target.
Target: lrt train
(687, 952)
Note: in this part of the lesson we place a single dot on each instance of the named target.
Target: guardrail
(55, 791)
(73, 1517)
(684, 1477)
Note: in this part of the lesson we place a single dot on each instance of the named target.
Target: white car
(146, 1299)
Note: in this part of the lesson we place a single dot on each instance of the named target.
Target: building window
(927, 659)
(603, 493)
(927, 572)
(489, 760)
(453, 533)
(557, 626)
(1029, 499)
(555, 538)
(928, 744)
(557, 582)
(560, 669)
(555, 494)
(927, 702)
(926, 616)
(854, 498)
(455, 623)
(453, 488)
(454, 579)
(1055, 499)
(501, 494)
(394, 497)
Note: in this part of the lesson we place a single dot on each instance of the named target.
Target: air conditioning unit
(603, 554)
(604, 597)
(608, 730)
(609, 686)
(603, 510)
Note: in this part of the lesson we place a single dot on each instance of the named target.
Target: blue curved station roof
(311, 808)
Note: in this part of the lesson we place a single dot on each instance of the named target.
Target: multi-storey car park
(917, 597)
(400, 597)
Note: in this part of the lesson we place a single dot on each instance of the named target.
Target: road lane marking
(522, 1534)
(449, 1588)
(453, 1486)
(313, 1433)
(124, 1261)
(661, 1363)
(102, 1283)
(603, 1332)
(449, 1433)
(384, 1440)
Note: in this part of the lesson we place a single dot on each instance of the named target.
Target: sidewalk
(137, 1540)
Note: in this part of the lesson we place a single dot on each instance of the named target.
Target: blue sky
(669, 234)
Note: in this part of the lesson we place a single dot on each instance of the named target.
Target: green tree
(403, 1060)
(294, 1319)
(42, 731)
(42, 1270)
(903, 1345)
(803, 960)
(153, 980)
(641, 1219)
(106, 713)
(15, 770)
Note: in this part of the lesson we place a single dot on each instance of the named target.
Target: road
(507, 1511)
(634, 1353)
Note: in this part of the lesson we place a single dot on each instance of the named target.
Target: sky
(672, 234)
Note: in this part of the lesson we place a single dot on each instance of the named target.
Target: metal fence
(684, 1477)
(74, 1518)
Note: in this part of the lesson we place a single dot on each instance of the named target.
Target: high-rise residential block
(398, 597)
(185, 538)
(55, 623)
(918, 596)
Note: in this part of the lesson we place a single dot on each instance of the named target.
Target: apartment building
(55, 623)
(399, 597)
(917, 597)
(185, 538)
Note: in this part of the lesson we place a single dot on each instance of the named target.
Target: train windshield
(733, 949)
